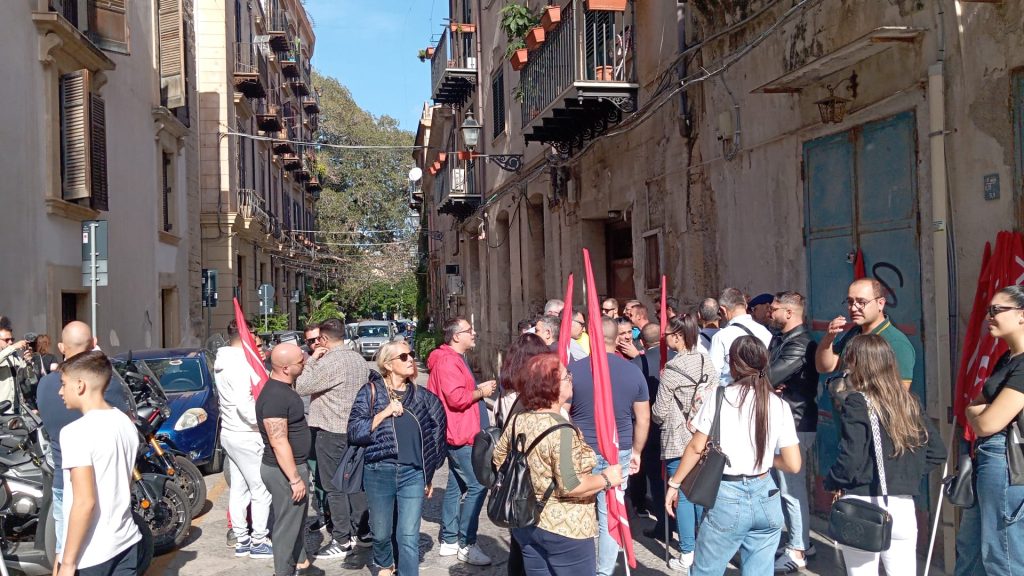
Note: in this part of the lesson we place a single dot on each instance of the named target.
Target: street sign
(209, 287)
(100, 249)
(266, 293)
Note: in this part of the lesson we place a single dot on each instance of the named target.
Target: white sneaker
(682, 564)
(472, 554)
(789, 562)
(447, 549)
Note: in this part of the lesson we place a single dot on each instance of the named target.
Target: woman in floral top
(684, 384)
(562, 542)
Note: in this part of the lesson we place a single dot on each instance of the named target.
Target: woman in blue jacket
(403, 427)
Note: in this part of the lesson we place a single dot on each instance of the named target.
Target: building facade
(101, 126)
(749, 143)
(259, 181)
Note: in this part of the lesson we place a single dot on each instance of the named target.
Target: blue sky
(370, 46)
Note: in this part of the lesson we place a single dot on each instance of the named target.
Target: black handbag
(701, 485)
(349, 476)
(859, 524)
(483, 448)
(959, 486)
(512, 502)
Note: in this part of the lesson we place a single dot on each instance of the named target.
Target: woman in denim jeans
(991, 537)
(403, 426)
(747, 515)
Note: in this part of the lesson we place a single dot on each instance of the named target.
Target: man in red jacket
(452, 381)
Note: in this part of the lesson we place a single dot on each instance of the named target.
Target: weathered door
(861, 192)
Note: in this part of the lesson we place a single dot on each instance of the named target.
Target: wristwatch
(607, 482)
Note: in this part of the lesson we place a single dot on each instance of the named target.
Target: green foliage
(381, 297)
(275, 322)
(323, 306)
(516, 21)
(425, 342)
(422, 55)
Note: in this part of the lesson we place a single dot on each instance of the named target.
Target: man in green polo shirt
(866, 303)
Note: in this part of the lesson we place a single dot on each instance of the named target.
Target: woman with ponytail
(911, 445)
(759, 433)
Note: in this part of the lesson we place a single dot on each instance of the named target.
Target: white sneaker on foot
(472, 554)
(682, 563)
(447, 549)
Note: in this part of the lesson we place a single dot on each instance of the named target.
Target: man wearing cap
(760, 309)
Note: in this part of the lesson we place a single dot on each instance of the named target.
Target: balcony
(289, 61)
(250, 70)
(455, 190)
(250, 207)
(299, 85)
(453, 67)
(268, 112)
(291, 161)
(279, 29)
(581, 80)
(311, 103)
(313, 186)
(284, 145)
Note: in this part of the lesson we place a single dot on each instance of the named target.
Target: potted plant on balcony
(608, 5)
(516, 22)
(462, 27)
(422, 55)
(551, 17)
(535, 37)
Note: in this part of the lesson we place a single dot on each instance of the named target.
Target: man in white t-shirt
(732, 305)
(101, 538)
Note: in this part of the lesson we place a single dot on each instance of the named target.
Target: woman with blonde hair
(875, 399)
(403, 426)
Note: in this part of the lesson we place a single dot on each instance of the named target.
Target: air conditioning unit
(455, 285)
(458, 187)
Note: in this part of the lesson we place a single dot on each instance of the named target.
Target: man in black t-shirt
(282, 422)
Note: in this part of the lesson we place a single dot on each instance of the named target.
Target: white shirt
(233, 376)
(722, 341)
(106, 441)
(704, 339)
(736, 419)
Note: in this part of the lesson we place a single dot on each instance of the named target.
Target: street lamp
(471, 130)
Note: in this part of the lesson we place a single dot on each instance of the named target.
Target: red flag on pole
(604, 416)
(858, 266)
(259, 375)
(663, 322)
(565, 332)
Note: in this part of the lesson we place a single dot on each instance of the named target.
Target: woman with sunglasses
(991, 536)
(403, 426)
(684, 383)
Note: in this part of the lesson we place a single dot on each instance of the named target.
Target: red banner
(565, 332)
(999, 268)
(604, 417)
(259, 372)
(663, 322)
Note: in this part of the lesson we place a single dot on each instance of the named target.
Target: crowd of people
(324, 419)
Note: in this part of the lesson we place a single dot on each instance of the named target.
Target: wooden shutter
(75, 156)
(108, 24)
(172, 53)
(98, 152)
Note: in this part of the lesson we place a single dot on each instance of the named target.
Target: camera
(32, 339)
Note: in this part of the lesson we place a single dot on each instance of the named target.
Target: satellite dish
(415, 174)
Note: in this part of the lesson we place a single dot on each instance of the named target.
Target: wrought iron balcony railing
(455, 190)
(280, 30)
(453, 66)
(250, 70)
(251, 206)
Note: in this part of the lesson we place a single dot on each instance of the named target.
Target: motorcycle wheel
(170, 520)
(191, 481)
(145, 545)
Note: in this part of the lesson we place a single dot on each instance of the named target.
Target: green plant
(425, 343)
(516, 21)
(274, 322)
(422, 55)
(323, 306)
(518, 94)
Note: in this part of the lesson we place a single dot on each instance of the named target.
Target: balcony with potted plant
(268, 112)
(582, 80)
(453, 65)
(250, 77)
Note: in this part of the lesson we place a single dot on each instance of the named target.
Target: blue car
(186, 375)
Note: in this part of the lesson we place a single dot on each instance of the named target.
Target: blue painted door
(861, 192)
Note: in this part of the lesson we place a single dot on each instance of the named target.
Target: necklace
(394, 394)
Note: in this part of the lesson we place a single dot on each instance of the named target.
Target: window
(498, 103)
(652, 260)
(167, 191)
(83, 141)
(171, 50)
(243, 176)
(239, 275)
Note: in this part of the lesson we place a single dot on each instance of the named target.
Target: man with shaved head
(281, 418)
(74, 339)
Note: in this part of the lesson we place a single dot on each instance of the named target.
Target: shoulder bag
(859, 524)
(958, 487)
(349, 477)
(484, 443)
(701, 485)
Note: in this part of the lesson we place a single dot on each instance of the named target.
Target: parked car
(186, 375)
(372, 334)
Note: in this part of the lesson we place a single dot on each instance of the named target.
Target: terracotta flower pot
(459, 27)
(437, 165)
(430, 52)
(604, 73)
(442, 156)
(534, 38)
(519, 59)
(551, 18)
(612, 5)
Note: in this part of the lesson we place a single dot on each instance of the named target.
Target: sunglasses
(994, 310)
(404, 356)
(607, 309)
(6, 339)
(311, 341)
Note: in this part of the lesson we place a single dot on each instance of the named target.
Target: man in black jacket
(792, 372)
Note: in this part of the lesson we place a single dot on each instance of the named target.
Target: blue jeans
(795, 502)
(747, 517)
(386, 483)
(607, 549)
(991, 537)
(459, 523)
(687, 514)
(58, 516)
(549, 554)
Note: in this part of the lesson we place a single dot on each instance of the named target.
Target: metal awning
(811, 74)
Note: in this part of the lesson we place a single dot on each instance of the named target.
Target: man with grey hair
(707, 318)
(553, 307)
(732, 304)
(548, 328)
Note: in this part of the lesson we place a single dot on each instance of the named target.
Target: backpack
(484, 442)
(512, 502)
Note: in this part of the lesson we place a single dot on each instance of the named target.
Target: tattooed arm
(277, 434)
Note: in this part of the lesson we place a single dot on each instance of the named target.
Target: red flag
(858, 266)
(604, 416)
(259, 375)
(565, 332)
(663, 321)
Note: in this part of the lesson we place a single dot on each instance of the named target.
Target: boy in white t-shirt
(101, 538)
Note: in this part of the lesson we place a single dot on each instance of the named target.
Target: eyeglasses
(311, 341)
(580, 322)
(7, 340)
(609, 310)
(994, 310)
(404, 356)
(466, 331)
(859, 303)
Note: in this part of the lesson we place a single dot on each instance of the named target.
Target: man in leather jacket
(792, 372)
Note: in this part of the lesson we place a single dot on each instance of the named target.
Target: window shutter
(76, 171)
(108, 24)
(172, 53)
(98, 152)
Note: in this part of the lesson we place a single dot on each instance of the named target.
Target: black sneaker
(316, 525)
(364, 541)
(335, 551)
